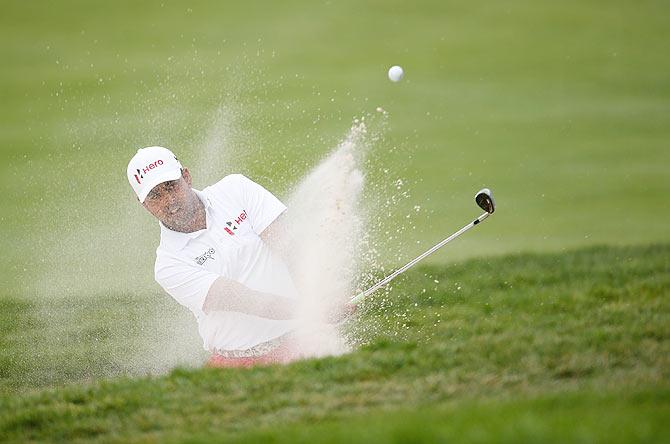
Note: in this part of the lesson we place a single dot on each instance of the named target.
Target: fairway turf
(586, 417)
(561, 346)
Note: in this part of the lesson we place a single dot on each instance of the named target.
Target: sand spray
(325, 223)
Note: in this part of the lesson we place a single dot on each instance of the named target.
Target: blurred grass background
(562, 109)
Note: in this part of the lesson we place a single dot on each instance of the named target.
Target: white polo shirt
(237, 211)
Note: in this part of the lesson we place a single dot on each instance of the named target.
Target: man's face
(173, 203)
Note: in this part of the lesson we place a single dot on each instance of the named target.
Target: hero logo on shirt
(232, 225)
(206, 255)
(146, 169)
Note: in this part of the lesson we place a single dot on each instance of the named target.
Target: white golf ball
(396, 73)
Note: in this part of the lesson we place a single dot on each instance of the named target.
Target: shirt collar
(177, 240)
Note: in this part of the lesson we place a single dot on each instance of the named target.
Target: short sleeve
(261, 205)
(187, 284)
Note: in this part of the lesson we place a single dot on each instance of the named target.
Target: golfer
(216, 258)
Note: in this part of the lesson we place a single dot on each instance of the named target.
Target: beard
(184, 217)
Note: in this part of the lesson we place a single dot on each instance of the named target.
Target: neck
(199, 220)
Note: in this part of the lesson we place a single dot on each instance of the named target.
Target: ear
(187, 176)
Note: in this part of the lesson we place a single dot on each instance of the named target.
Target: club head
(484, 199)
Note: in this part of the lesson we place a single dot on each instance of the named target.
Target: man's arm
(228, 295)
(276, 235)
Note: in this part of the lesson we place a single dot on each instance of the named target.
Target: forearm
(228, 295)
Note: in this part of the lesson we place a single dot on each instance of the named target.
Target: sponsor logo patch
(140, 173)
(233, 224)
(209, 254)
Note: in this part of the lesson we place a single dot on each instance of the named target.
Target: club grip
(358, 298)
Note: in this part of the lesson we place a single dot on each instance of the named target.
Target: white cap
(149, 167)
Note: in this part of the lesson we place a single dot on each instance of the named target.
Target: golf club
(484, 200)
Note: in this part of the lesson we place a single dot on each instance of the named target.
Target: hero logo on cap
(151, 166)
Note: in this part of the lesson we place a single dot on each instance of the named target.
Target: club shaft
(359, 297)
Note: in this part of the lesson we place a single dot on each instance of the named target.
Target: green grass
(554, 347)
(586, 417)
(562, 108)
